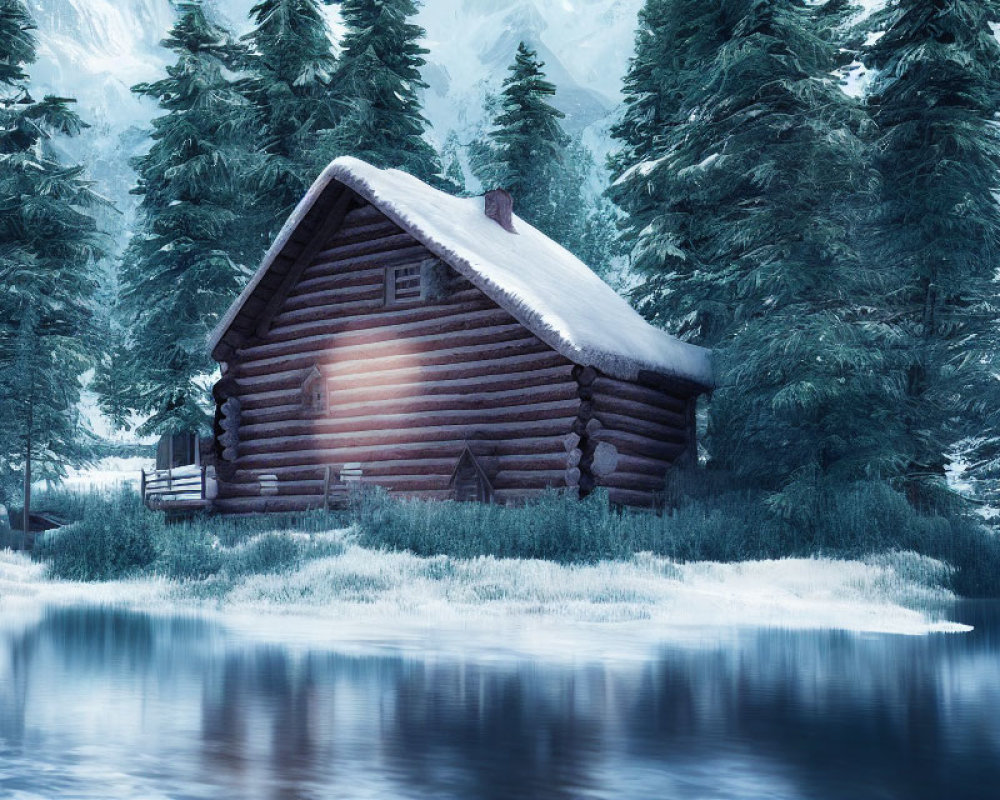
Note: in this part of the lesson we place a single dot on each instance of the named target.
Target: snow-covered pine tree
(747, 172)
(48, 243)
(291, 64)
(934, 102)
(377, 85)
(531, 156)
(677, 41)
(528, 143)
(181, 270)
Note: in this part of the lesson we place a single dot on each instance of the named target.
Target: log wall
(408, 384)
(634, 434)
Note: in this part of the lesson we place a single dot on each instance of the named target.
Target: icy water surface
(115, 704)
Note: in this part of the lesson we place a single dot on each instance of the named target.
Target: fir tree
(528, 143)
(48, 243)
(938, 226)
(180, 271)
(377, 84)
(291, 64)
(531, 156)
(114, 379)
(747, 186)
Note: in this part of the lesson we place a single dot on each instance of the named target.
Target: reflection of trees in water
(834, 714)
(496, 733)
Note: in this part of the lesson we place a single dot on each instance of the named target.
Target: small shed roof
(544, 286)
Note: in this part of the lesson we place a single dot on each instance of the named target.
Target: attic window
(403, 284)
(314, 393)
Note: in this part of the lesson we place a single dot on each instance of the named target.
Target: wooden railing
(180, 488)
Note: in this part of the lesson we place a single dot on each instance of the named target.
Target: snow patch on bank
(375, 601)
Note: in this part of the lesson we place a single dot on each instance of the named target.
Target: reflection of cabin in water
(442, 348)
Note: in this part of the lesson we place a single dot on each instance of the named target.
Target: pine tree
(529, 144)
(747, 173)
(377, 85)
(530, 155)
(291, 64)
(938, 226)
(180, 271)
(114, 378)
(48, 243)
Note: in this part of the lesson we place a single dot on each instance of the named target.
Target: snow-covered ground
(372, 601)
(108, 473)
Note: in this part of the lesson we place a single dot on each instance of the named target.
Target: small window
(403, 284)
(314, 393)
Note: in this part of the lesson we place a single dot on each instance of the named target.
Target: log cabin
(440, 347)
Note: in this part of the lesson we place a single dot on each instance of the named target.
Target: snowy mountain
(94, 50)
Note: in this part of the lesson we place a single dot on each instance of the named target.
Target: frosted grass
(364, 600)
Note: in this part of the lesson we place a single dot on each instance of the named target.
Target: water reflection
(106, 703)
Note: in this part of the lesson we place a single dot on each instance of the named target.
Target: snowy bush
(115, 537)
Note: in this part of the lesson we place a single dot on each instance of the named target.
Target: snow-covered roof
(544, 286)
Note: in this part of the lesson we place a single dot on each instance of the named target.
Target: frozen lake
(99, 703)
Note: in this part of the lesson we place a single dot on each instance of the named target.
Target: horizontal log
(633, 444)
(413, 466)
(250, 435)
(641, 427)
(415, 403)
(312, 287)
(260, 505)
(339, 334)
(337, 251)
(321, 351)
(364, 214)
(366, 295)
(474, 431)
(392, 373)
(643, 465)
(642, 394)
(444, 448)
(403, 255)
(356, 232)
(317, 306)
(503, 384)
(604, 403)
(315, 487)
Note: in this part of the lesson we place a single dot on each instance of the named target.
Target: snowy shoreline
(366, 601)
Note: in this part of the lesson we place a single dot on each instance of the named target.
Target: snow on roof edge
(675, 358)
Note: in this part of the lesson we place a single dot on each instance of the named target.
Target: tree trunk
(25, 525)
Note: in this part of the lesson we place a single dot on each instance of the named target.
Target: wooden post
(142, 485)
(326, 490)
(204, 490)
